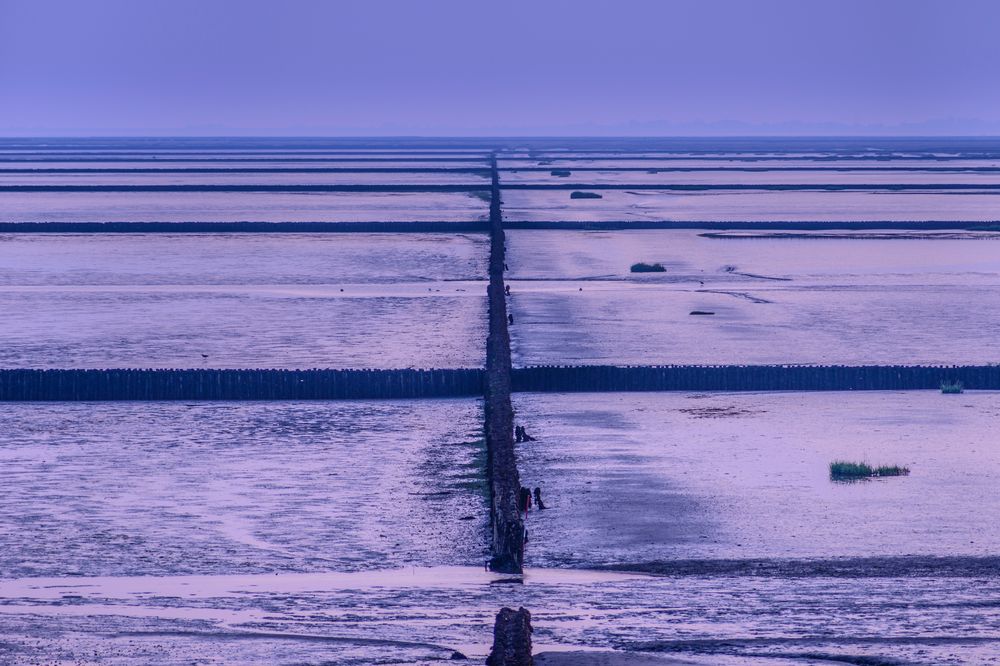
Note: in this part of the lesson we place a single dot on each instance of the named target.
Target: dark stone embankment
(504, 481)
(511, 639)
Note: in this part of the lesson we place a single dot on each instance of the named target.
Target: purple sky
(466, 67)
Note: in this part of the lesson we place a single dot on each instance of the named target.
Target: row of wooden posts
(753, 377)
(272, 384)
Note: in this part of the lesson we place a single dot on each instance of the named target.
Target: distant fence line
(264, 384)
(275, 384)
(274, 189)
(224, 170)
(752, 378)
(477, 226)
(189, 227)
(232, 160)
(769, 225)
(742, 187)
(483, 187)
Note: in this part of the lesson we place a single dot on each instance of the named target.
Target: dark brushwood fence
(267, 384)
(193, 227)
(271, 384)
(752, 377)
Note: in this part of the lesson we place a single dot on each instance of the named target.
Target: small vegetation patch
(643, 267)
(562, 173)
(841, 470)
(952, 387)
(585, 195)
(701, 312)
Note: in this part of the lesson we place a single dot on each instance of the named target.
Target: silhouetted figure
(538, 498)
(525, 437)
(510, 319)
(518, 437)
(524, 500)
(506, 289)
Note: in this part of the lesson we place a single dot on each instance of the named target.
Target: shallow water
(222, 177)
(256, 326)
(830, 301)
(723, 205)
(239, 207)
(232, 301)
(583, 322)
(734, 175)
(638, 477)
(689, 256)
(238, 259)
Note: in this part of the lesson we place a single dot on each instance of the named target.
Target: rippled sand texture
(102, 489)
(909, 300)
(421, 616)
(232, 301)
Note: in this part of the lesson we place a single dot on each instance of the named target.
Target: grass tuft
(642, 267)
(952, 387)
(841, 470)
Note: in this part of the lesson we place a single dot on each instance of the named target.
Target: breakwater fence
(507, 547)
(248, 384)
(324, 384)
(244, 227)
(752, 377)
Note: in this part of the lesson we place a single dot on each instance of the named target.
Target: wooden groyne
(752, 377)
(504, 481)
(265, 384)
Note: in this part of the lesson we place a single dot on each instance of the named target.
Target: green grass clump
(952, 387)
(642, 267)
(844, 470)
